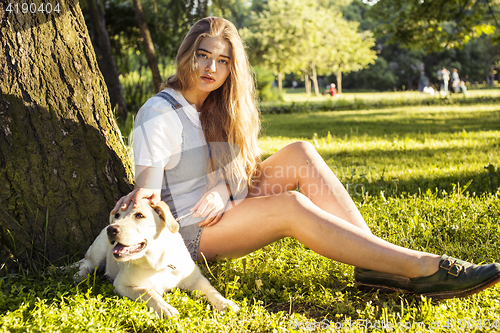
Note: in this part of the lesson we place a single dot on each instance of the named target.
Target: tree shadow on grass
(396, 170)
(376, 124)
(368, 169)
(365, 171)
(472, 183)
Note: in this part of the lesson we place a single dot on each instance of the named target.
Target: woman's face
(214, 63)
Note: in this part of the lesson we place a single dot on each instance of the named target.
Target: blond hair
(230, 113)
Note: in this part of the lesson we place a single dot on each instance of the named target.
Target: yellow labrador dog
(145, 256)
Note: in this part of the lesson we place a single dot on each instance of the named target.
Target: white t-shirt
(157, 134)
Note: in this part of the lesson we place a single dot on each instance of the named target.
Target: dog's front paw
(84, 269)
(226, 304)
(165, 310)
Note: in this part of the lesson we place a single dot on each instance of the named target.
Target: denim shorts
(191, 234)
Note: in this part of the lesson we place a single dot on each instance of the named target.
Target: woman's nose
(211, 66)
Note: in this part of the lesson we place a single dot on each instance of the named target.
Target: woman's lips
(207, 79)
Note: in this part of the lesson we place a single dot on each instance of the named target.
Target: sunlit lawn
(438, 145)
(299, 95)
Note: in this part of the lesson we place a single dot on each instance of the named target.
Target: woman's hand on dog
(212, 205)
(146, 187)
(136, 195)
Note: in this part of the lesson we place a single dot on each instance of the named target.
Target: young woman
(195, 147)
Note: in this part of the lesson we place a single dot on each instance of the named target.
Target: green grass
(138, 86)
(299, 95)
(399, 149)
(424, 177)
(295, 101)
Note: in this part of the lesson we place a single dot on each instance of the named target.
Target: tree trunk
(315, 79)
(63, 164)
(280, 82)
(490, 79)
(409, 80)
(106, 61)
(148, 44)
(338, 74)
(307, 83)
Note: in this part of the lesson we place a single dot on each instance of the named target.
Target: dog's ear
(163, 211)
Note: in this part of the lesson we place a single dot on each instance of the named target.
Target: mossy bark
(63, 164)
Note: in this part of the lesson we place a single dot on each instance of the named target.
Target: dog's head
(132, 230)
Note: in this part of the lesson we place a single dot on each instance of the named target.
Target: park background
(388, 46)
(423, 169)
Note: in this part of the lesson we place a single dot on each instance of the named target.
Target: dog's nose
(112, 232)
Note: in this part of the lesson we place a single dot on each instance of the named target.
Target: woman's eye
(202, 55)
(139, 216)
(224, 62)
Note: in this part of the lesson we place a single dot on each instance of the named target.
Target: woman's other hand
(212, 205)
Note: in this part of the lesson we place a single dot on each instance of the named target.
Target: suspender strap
(173, 102)
(176, 105)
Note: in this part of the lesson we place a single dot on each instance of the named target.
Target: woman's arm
(148, 181)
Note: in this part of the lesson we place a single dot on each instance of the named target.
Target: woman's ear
(163, 211)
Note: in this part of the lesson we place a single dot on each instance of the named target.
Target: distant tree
(276, 36)
(475, 62)
(124, 33)
(434, 25)
(236, 11)
(407, 65)
(148, 44)
(350, 50)
(356, 10)
(105, 58)
(290, 36)
(168, 21)
(404, 64)
(377, 77)
(336, 5)
(312, 47)
(479, 59)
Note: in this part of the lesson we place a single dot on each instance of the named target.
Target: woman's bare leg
(257, 222)
(323, 217)
(299, 165)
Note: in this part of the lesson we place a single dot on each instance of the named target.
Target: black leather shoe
(456, 278)
(384, 282)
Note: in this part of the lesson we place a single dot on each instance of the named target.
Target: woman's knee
(302, 148)
(294, 206)
(294, 202)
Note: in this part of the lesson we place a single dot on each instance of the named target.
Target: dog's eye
(139, 216)
(117, 216)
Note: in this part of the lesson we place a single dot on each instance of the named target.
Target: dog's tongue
(121, 249)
